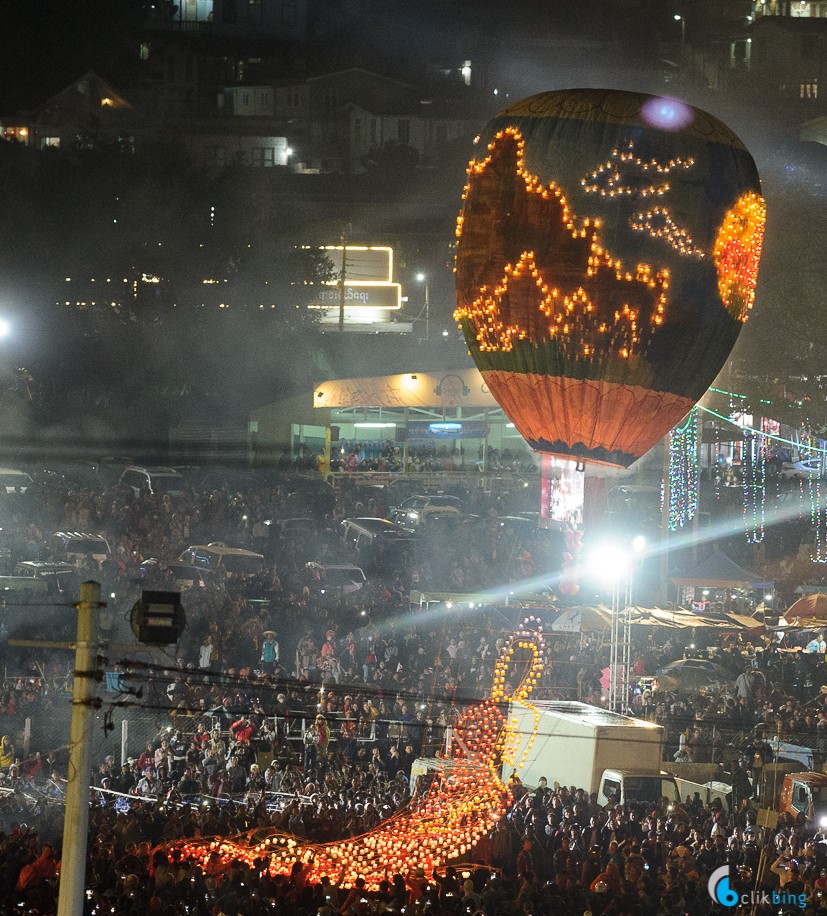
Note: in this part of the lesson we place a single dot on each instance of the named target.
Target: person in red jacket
(242, 730)
(40, 869)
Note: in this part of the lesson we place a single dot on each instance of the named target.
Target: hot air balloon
(607, 258)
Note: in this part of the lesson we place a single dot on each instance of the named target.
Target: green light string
(683, 472)
(758, 432)
(754, 471)
(818, 513)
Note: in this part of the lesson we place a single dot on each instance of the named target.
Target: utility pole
(76, 822)
(342, 276)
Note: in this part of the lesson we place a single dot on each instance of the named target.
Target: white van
(219, 559)
(159, 481)
(14, 481)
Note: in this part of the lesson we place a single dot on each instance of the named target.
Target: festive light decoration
(608, 181)
(659, 224)
(599, 308)
(738, 251)
(818, 516)
(461, 806)
(683, 472)
(754, 477)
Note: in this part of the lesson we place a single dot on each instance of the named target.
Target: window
(254, 11)
(330, 98)
(809, 90)
(357, 132)
(373, 132)
(143, 53)
(262, 157)
(404, 132)
(294, 97)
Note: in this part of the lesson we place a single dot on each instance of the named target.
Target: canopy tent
(591, 619)
(718, 571)
(809, 608)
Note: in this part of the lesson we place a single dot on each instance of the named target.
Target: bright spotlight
(5, 328)
(638, 543)
(609, 562)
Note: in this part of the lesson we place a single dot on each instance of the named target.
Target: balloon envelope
(607, 258)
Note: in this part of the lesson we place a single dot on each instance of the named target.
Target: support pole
(124, 741)
(76, 822)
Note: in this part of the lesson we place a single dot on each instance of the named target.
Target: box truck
(590, 748)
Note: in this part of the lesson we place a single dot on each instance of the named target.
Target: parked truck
(591, 748)
(805, 793)
(579, 745)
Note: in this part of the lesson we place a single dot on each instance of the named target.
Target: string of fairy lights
(683, 472)
(754, 482)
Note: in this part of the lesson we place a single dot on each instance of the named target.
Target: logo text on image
(721, 891)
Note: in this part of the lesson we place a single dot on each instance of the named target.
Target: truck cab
(805, 793)
(637, 786)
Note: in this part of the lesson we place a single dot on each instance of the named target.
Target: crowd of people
(287, 709)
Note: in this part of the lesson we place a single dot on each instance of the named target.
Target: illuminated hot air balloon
(607, 258)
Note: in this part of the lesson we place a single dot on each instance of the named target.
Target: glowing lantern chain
(460, 807)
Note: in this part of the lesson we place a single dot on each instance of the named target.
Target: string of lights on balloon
(754, 480)
(461, 806)
(620, 177)
(683, 472)
(573, 315)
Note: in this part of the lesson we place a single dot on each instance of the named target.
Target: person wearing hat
(269, 651)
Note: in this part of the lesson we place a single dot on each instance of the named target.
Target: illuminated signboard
(368, 271)
(359, 294)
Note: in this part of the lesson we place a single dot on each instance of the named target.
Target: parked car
(159, 481)
(416, 509)
(14, 481)
(178, 576)
(78, 547)
(801, 470)
(690, 673)
(341, 579)
(217, 559)
(60, 578)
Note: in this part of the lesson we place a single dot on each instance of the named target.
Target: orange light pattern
(658, 223)
(737, 253)
(585, 317)
(459, 808)
(608, 181)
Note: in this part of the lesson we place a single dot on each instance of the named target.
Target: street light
(423, 278)
(679, 18)
(615, 565)
(5, 328)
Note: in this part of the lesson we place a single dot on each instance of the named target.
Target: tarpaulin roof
(451, 388)
(599, 618)
(718, 571)
(810, 607)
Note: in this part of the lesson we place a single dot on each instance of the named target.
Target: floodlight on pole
(679, 18)
(423, 278)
